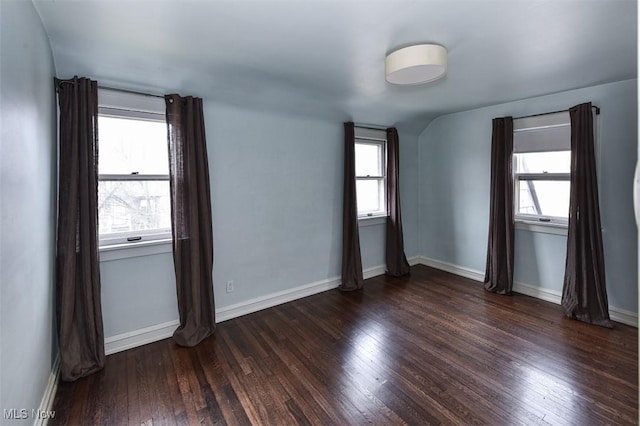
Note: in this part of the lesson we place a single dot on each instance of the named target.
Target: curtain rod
(130, 91)
(554, 112)
(59, 81)
(370, 126)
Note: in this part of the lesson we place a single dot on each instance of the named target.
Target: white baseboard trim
(142, 336)
(546, 294)
(157, 332)
(274, 299)
(623, 316)
(616, 314)
(374, 271)
(414, 260)
(462, 271)
(49, 395)
(619, 315)
(284, 296)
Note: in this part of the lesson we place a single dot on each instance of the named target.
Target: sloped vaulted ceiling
(326, 58)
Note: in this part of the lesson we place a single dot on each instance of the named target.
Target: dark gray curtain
(78, 306)
(191, 223)
(499, 272)
(584, 295)
(397, 264)
(351, 261)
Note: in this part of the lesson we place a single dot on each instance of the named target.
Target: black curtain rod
(131, 91)
(59, 82)
(370, 126)
(554, 112)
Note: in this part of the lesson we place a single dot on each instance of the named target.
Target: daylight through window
(542, 168)
(133, 180)
(371, 165)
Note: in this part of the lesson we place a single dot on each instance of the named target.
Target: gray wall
(276, 190)
(27, 222)
(454, 191)
(276, 193)
(137, 292)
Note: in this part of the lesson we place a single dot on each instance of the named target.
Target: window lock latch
(544, 219)
(131, 239)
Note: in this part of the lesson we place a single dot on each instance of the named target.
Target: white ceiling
(326, 58)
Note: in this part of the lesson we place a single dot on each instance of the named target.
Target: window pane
(552, 198)
(369, 196)
(130, 206)
(368, 159)
(127, 146)
(540, 162)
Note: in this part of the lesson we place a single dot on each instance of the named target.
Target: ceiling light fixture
(418, 64)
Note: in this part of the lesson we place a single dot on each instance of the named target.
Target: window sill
(125, 251)
(372, 220)
(545, 228)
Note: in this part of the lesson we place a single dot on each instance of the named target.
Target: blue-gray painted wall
(277, 203)
(454, 191)
(276, 191)
(27, 222)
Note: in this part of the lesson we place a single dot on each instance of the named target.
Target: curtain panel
(78, 304)
(499, 269)
(191, 222)
(584, 294)
(352, 278)
(396, 259)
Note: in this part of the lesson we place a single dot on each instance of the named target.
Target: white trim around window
(372, 220)
(125, 251)
(374, 138)
(539, 135)
(119, 245)
(545, 228)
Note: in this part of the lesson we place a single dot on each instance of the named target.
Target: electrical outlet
(229, 286)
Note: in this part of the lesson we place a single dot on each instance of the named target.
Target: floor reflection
(551, 397)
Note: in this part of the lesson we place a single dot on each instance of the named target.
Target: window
(133, 169)
(371, 168)
(542, 168)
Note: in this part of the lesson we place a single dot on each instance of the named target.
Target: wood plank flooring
(430, 349)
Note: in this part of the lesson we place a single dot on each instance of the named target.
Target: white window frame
(523, 178)
(368, 136)
(117, 104)
(542, 223)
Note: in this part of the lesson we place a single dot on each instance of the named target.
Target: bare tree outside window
(541, 165)
(133, 188)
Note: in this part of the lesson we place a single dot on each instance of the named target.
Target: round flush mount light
(417, 64)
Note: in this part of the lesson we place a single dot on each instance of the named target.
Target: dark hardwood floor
(431, 349)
